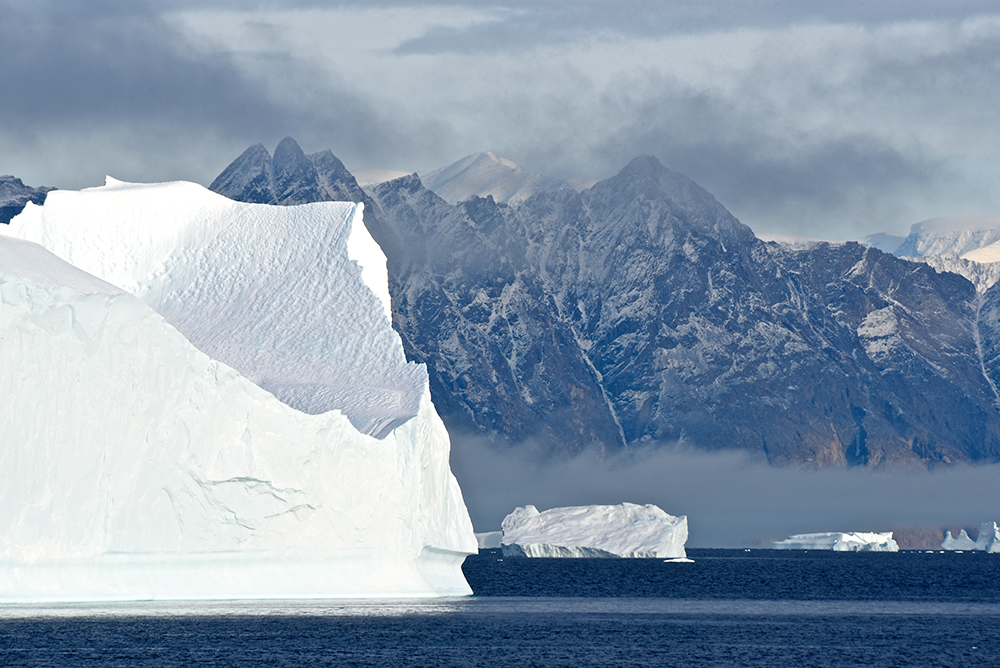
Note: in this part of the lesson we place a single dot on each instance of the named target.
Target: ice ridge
(269, 291)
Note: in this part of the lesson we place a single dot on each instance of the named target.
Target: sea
(725, 608)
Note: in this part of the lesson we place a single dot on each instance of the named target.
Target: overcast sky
(820, 119)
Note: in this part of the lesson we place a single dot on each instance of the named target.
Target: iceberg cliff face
(626, 530)
(855, 541)
(135, 464)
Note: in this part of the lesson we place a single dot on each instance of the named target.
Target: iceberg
(988, 539)
(963, 542)
(206, 400)
(626, 530)
(839, 542)
(294, 298)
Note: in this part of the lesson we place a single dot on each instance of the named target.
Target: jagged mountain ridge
(641, 311)
(14, 196)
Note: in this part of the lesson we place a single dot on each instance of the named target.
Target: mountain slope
(14, 195)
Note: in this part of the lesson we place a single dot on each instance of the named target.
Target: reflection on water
(500, 606)
(728, 608)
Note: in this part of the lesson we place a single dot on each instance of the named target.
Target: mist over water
(730, 500)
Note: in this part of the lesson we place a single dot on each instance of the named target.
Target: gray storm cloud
(117, 88)
(802, 118)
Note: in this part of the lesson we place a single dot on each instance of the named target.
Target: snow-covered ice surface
(626, 530)
(988, 539)
(134, 466)
(270, 291)
(856, 541)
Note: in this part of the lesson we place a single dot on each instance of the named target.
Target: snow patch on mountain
(965, 245)
(879, 333)
(487, 174)
(953, 235)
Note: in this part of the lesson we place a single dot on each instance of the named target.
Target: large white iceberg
(856, 541)
(988, 539)
(261, 436)
(294, 298)
(626, 530)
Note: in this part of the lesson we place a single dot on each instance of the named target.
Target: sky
(827, 120)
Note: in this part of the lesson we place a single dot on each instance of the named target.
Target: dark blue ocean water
(729, 608)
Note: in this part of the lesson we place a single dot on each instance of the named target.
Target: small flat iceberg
(987, 541)
(626, 530)
(855, 541)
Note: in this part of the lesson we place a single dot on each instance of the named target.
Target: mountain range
(964, 245)
(641, 312)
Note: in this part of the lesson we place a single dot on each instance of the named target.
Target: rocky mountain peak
(250, 176)
(664, 205)
(14, 195)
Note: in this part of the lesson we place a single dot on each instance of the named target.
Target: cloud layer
(824, 120)
(730, 500)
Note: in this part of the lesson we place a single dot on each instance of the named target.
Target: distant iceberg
(626, 530)
(987, 541)
(963, 542)
(839, 542)
(251, 431)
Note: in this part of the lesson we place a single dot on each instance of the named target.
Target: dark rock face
(290, 177)
(468, 302)
(641, 311)
(14, 196)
